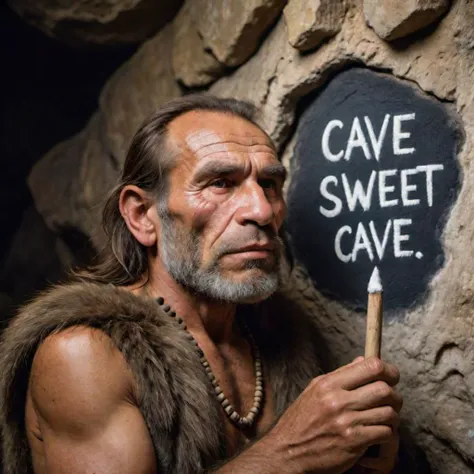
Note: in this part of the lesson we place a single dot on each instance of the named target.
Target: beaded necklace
(241, 422)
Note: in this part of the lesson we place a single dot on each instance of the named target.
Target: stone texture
(100, 22)
(84, 168)
(310, 23)
(69, 165)
(192, 64)
(392, 19)
(137, 88)
(233, 30)
(260, 71)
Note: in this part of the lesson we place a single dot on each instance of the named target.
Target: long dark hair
(124, 260)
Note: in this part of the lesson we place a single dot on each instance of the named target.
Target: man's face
(219, 235)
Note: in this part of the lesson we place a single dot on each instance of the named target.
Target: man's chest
(235, 370)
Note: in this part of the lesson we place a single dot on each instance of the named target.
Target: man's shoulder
(79, 370)
(108, 309)
(77, 346)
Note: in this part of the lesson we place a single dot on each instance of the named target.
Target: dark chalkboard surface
(373, 176)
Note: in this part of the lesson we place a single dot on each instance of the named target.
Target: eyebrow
(276, 170)
(218, 168)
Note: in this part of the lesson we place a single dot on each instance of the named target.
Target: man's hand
(340, 414)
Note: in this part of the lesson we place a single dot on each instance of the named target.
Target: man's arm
(329, 427)
(83, 395)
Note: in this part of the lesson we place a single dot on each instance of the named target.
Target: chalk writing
(374, 176)
(341, 192)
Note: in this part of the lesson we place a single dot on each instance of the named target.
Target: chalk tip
(375, 283)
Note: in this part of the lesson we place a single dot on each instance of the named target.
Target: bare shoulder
(78, 374)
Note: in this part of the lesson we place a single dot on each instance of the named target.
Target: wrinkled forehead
(207, 134)
(210, 137)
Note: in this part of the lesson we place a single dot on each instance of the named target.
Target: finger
(373, 395)
(365, 371)
(354, 361)
(379, 416)
(364, 436)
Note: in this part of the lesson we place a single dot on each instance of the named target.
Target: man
(175, 354)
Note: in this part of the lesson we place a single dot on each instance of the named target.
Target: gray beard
(181, 255)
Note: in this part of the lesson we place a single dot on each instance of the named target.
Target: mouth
(254, 251)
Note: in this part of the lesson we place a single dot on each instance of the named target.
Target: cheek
(211, 219)
(202, 214)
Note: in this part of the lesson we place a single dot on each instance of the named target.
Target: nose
(254, 207)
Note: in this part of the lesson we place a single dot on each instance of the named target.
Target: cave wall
(48, 92)
(284, 56)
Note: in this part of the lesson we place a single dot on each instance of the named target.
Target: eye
(222, 183)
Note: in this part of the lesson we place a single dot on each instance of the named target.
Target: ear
(135, 206)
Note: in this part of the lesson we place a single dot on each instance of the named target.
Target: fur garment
(176, 399)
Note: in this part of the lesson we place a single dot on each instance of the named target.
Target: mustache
(254, 237)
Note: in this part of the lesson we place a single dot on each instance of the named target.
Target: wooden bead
(173, 314)
(166, 307)
(160, 300)
(244, 422)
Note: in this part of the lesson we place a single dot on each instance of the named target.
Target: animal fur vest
(176, 397)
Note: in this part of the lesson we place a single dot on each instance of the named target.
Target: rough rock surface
(392, 19)
(310, 23)
(431, 343)
(99, 22)
(135, 91)
(67, 162)
(86, 166)
(192, 64)
(233, 30)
